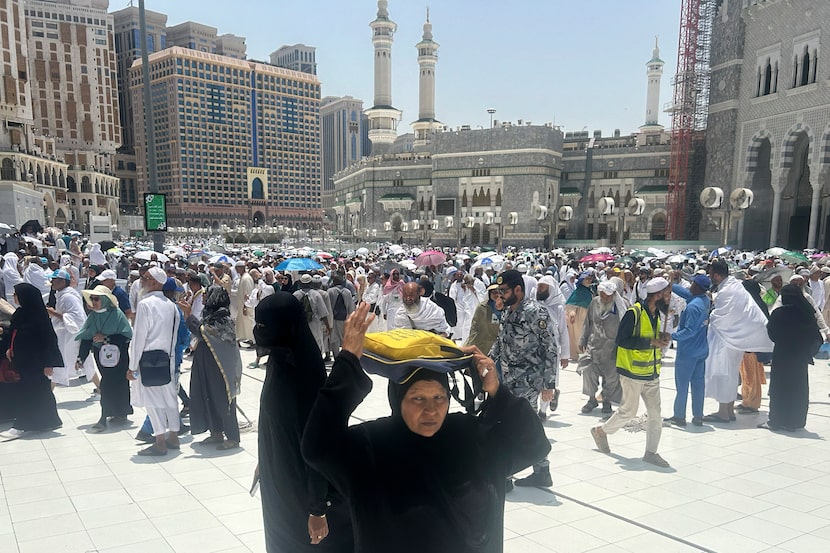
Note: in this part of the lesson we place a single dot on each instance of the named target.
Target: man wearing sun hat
(67, 317)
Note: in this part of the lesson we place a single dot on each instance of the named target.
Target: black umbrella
(106, 245)
(32, 226)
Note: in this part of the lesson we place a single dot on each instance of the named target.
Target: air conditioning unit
(356, 232)
(711, 197)
(741, 198)
(387, 226)
(448, 222)
(374, 232)
(489, 217)
(541, 212)
(404, 227)
(433, 225)
(513, 218)
(416, 224)
(367, 232)
(469, 222)
(636, 206)
(605, 206)
(566, 213)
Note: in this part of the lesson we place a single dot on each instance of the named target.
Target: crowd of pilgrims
(328, 486)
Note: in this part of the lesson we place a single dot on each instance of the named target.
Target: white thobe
(68, 302)
(466, 301)
(736, 325)
(244, 323)
(817, 292)
(156, 326)
(319, 312)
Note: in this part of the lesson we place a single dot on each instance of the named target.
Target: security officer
(528, 355)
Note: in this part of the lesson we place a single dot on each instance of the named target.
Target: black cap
(511, 278)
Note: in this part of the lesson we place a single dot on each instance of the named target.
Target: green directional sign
(155, 212)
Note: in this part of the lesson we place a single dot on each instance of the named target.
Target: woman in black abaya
(33, 351)
(301, 511)
(795, 332)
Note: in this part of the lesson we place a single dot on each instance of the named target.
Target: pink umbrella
(430, 257)
(324, 255)
(594, 257)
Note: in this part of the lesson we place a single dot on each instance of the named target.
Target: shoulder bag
(154, 365)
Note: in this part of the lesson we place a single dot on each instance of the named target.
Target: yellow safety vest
(642, 364)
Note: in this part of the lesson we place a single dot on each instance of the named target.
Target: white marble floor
(732, 488)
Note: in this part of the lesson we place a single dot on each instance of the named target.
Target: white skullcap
(158, 274)
(656, 284)
(608, 287)
(795, 277)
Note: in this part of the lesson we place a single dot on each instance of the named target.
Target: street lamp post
(491, 111)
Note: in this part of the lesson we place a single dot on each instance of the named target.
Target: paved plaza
(732, 489)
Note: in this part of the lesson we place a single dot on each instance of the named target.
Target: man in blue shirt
(107, 278)
(692, 350)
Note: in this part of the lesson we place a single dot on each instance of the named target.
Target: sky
(580, 64)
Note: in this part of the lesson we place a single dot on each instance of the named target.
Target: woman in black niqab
(293, 494)
(33, 351)
(795, 332)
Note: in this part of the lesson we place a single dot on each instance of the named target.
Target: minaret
(383, 118)
(655, 74)
(426, 124)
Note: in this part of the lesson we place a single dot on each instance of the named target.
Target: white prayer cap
(549, 280)
(608, 287)
(656, 284)
(158, 274)
(522, 268)
(794, 278)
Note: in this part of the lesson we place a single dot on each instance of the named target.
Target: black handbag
(154, 365)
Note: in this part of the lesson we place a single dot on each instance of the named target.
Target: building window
(805, 63)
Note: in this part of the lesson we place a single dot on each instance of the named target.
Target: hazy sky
(578, 63)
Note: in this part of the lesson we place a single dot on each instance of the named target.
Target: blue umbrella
(299, 264)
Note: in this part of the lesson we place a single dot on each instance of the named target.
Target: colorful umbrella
(324, 255)
(595, 257)
(794, 257)
(299, 264)
(221, 258)
(430, 257)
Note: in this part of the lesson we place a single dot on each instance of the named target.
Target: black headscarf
(754, 290)
(32, 314)
(792, 296)
(396, 392)
(281, 323)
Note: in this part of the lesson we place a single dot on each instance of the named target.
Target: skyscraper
(383, 118)
(72, 72)
(237, 142)
(299, 57)
(344, 134)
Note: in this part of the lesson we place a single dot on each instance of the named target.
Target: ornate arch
(754, 148)
(788, 145)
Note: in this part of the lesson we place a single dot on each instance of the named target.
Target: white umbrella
(174, 251)
(362, 251)
(485, 255)
(776, 251)
(677, 259)
(658, 253)
(416, 252)
(35, 241)
(462, 257)
(4, 226)
(146, 255)
(396, 249)
(602, 249)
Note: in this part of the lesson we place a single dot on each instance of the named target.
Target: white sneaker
(15, 432)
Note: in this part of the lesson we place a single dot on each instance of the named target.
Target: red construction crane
(691, 104)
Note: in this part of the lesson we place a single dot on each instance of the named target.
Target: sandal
(554, 402)
(212, 440)
(744, 410)
(173, 445)
(227, 444)
(715, 418)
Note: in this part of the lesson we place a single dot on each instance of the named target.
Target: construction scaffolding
(689, 111)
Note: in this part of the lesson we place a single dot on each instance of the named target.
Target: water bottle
(135, 373)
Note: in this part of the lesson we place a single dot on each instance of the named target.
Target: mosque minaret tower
(426, 124)
(655, 75)
(383, 118)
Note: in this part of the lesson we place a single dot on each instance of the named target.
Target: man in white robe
(420, 313)
(548, 294)
(245, 316)
(463, 293)
(156, 326)
(736, 325)
(318, 325)
(67, 317)
(11, 275)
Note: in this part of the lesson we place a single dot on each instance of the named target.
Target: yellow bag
(404, 343)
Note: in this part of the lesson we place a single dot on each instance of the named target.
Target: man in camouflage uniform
(527, 353)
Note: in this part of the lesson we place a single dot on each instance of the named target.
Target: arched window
(805, 67)
(767, 78)
(86, 185)
(71, 186)
(257, 189)
(7, 169)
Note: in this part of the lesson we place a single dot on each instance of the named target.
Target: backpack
(448, 305)
(339, 309)
(307, 309)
